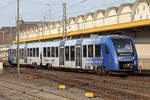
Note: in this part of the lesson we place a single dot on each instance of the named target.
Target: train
(102, 54)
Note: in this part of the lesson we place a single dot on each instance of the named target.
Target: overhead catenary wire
(70, 12)
(96, 7)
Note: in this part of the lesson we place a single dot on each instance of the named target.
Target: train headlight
(116, 60)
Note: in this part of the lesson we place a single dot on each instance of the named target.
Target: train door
(78, 57)
(25, 55)
(61, 57)
(107, 58)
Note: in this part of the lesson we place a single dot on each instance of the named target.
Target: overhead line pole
(64, 22)
(18, 28)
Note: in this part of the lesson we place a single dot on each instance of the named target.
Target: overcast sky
(50, 10)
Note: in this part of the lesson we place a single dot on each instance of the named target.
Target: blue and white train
(113, 53)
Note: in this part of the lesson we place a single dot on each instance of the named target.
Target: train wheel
(101, 70)
(48, 66)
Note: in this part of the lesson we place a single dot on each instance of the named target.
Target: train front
(126, 59)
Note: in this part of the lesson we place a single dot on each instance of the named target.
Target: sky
(50, 10)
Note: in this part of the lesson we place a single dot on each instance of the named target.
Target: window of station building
(97, 50)
(72, 51)
(48, 52)
(138, 10)
(56, 51)
(146, 16)
(34, 52)
(67, 53)
(143, 8)
(37, 52)
(140, 17)
(84, 51)
(44, 51)
(53, 52)
(31, 52)
(90, 50)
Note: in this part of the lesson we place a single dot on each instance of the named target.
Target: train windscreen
(123, 46)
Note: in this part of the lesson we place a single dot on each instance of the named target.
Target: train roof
(95, 40)
(119, 37)
(30, 45)
(14, 46)
(51, 43)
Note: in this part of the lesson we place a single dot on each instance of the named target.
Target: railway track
(27, 91)
(100, 90)
(105, 89)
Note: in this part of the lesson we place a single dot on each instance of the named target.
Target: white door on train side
(78, 57)
(61, 56)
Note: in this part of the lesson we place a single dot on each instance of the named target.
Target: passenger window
(97, 50)
(22, 53)
(56, 51)
(53, 52)
(33, 52)
(30, 52)
(44, 51)
(72, 53)
(48, 51)
(106, 49)
(14, 53)
(84, 51)
(37, 52)
(67, 53)
(90, 50)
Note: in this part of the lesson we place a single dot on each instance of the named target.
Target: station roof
(92, 30)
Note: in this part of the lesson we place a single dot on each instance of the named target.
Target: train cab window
(67, 53)
(106, 49)
(72, 53)
(90, 50)
(48, 52)
(56, 51)
(33, 52)
(37, 52)
(44, 51)
(97, 50)
(53, 52)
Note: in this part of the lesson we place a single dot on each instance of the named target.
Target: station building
(132, 19)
